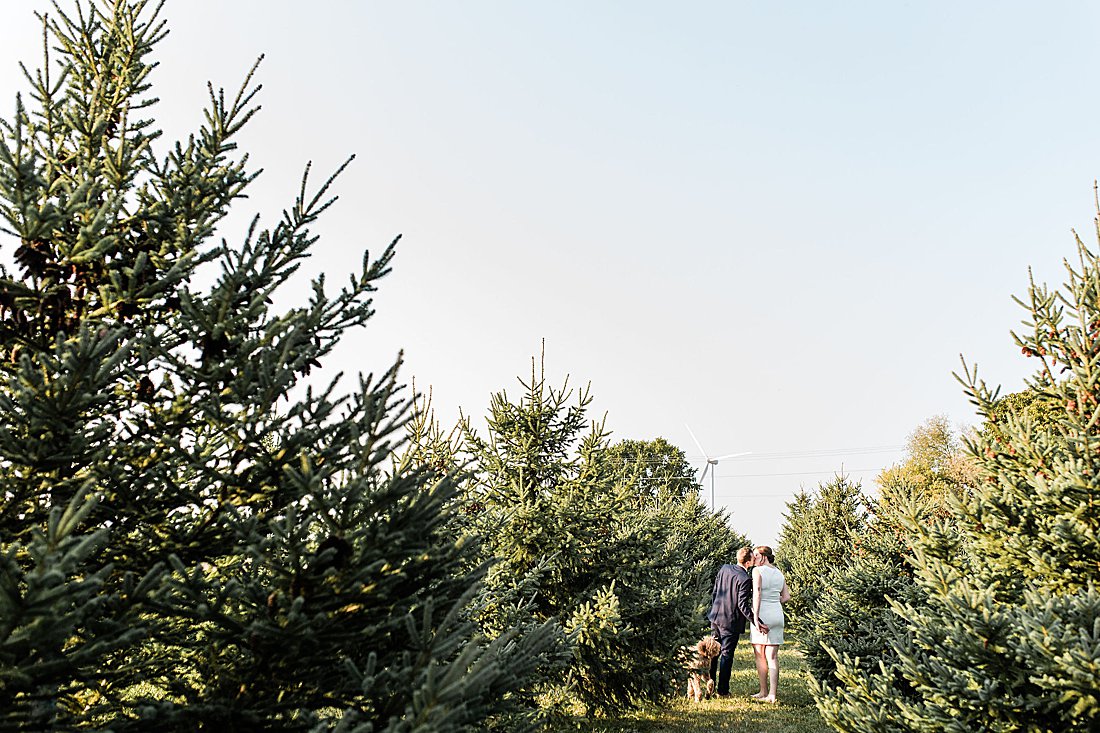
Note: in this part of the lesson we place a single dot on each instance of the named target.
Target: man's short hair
(743, 555)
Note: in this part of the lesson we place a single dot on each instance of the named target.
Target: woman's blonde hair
(765, 551)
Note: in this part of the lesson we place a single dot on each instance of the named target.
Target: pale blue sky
(780, 223)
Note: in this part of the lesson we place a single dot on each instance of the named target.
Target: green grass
(795, 712)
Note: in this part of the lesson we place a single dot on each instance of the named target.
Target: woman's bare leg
(761, 669)
(771, 653)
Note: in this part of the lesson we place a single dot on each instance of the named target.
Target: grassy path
(795, 712)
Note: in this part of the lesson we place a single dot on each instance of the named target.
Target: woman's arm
(785, 594)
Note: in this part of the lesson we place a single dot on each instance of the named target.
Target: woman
(769, 593)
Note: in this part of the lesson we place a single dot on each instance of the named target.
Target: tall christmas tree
(852, 614)
(665, 487)
(191, 536)
(1005, 634)
(567, 529)
(818, 532)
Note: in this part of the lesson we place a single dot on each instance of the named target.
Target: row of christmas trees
(195, 537)
(963, 595)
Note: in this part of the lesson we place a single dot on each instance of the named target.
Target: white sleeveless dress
(771, 610)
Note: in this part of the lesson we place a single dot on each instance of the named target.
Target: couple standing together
(751, 593)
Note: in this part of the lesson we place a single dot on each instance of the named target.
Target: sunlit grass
(795, 712)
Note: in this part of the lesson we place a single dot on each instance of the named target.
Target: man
(730, 608)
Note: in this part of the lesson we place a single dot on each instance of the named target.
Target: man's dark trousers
(722, 665)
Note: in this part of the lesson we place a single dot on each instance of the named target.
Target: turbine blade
(704, 474)
(734, 455)
(697, 445)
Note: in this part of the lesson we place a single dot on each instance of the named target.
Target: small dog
(700, 683)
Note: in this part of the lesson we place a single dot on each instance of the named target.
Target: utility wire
(823, 472)
(824, 452)
(787, 454)
(815, 453)
(798, 473)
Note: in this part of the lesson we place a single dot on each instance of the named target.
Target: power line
(800, 473)
(765, 496)
(823, 452)
(827, 452)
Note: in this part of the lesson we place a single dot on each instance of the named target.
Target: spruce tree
(702, 541)
(565, 530)
(1005, 636)
(665, 486)
(194, 535)
(852, 615)
(818, 532)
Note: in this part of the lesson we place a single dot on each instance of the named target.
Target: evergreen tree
(662, 490)
(703, 541)
(565, 530)
(1005, 635)
(1035, 403)
(852, 615)
(818, 532)
(175, 552)
(665, 487)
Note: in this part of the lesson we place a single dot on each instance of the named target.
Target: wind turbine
(711, 462)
